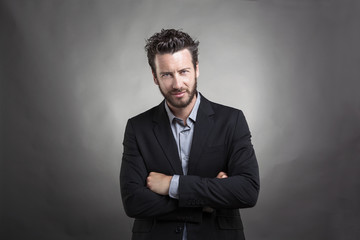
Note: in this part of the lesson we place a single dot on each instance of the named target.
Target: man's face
(176, 77)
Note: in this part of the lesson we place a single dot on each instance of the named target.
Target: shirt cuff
(174, 187)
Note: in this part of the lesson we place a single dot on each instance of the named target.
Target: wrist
(168, 182)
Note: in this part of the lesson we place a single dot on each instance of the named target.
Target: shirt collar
(193, 113)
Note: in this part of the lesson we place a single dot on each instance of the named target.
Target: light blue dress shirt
(183, 135)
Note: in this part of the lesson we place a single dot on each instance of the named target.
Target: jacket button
(178, 229)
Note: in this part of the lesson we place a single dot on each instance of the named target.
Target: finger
(220, 174)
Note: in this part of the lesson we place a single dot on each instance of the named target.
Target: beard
(180, 103)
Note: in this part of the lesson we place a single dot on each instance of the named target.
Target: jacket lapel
(164, 136)
(203, 126)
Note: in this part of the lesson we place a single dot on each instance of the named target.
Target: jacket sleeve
(240, 189)
(138, 200)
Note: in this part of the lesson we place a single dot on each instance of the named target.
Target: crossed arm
(145, 194)
(159, 183)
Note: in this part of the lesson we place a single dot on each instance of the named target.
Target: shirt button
(178, 229)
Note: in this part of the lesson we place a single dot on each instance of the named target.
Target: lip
(178, 94)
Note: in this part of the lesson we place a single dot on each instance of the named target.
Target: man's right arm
(138, 200)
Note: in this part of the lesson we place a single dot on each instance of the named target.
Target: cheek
(186, 80)
(165, 85)
(189, 82)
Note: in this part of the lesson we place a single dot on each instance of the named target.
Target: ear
(155, 78)
(197, 70)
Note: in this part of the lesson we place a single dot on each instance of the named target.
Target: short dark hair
(170, 41)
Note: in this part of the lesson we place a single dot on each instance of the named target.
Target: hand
(158, 183)
(222, 175)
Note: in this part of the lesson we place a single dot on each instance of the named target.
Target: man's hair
(170, 41)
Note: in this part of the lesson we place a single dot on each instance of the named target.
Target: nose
(177, 83)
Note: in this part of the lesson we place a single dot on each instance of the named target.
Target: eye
(165, 75)
(183, 71)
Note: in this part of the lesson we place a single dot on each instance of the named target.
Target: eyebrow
(187, 68)
(165, 73)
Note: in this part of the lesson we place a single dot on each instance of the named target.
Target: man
(188, 163)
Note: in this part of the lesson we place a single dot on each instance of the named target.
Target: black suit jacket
(221, 142)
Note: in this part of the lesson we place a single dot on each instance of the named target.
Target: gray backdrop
(73, 72)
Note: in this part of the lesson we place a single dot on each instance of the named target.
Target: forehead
(179, 59)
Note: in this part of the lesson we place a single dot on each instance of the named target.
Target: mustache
(178, 90)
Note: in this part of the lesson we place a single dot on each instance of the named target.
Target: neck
(183, 113)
